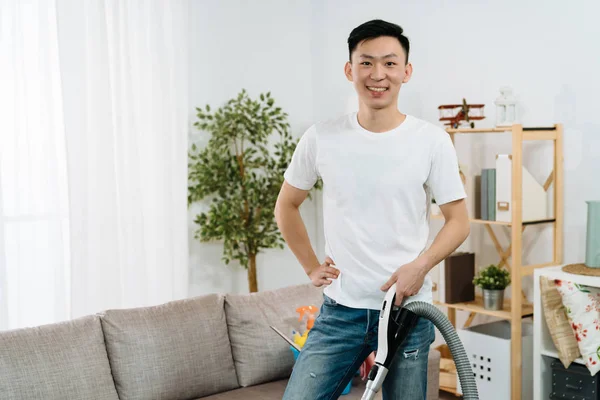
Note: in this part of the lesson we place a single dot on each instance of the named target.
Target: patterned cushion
(558, 323)
(583, 310)
(62, 361)
(177, 350)
(260, 355)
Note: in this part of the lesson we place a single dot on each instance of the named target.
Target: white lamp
(506, 107)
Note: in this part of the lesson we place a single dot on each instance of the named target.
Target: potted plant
(492, 280)
(240, 171)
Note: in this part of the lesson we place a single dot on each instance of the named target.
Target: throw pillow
(558, 323)
(259, 354)
(582, 304)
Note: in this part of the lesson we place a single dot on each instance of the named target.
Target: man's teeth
(376, 89)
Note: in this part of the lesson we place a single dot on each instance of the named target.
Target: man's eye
(391, 64)
(366, 63)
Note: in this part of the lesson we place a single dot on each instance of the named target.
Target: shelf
(477, 307)
(554, 354)
(506, 129)
(527, 270)
(479, 130)
(557, 273)
(487, 222)
(451, 390)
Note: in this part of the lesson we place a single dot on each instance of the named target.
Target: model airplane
(455, 113)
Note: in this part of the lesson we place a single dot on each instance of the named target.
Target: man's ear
(348, 70)
(407, 73)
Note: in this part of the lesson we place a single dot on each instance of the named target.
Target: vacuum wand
(395, 323)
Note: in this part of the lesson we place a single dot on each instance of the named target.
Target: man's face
(378, 70)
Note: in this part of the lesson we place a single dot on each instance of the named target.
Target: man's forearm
(294, 232)
(449, 238)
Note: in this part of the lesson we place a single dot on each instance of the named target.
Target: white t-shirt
(377, 189)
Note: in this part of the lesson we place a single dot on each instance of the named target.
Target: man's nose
(378, 73)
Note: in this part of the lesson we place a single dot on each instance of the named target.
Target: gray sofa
(213, 347)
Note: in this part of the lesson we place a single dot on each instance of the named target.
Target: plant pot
(493, 299)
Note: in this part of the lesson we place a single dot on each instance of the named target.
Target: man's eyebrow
(391, 55)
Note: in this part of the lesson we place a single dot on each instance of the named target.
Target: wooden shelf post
(558, 195)
(515, 270)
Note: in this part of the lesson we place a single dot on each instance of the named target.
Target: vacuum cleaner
(395, 323)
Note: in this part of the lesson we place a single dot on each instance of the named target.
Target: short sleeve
(444, 179)
(302, 170)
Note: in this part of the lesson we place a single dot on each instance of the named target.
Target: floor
(447, 396)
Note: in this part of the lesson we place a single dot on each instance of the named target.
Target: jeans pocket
(328, 301)
(422, 335)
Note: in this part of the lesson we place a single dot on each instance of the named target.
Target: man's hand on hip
(322, 274)
(409, 279)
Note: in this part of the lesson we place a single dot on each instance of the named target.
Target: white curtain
(34, 228)
(107, 226)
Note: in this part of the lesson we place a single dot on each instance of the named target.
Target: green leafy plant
(241, 171)
(492, 277)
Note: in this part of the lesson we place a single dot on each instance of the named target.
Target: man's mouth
(377, 89)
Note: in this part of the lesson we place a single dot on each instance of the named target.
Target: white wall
(544, 50)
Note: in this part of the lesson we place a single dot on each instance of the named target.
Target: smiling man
(380, 169)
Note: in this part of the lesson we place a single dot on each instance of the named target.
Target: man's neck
(378, 121)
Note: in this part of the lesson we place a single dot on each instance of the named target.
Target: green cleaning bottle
(592, 244)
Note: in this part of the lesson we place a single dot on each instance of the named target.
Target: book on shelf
(491, 194)
(477, 201)
(488, 194)
(453, 278)
(459, 270)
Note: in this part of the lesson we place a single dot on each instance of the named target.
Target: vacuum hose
(463, 365)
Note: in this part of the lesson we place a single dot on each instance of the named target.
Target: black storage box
(574, 383)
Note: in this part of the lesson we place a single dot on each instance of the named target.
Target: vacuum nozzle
(395, 324)
(376, 377)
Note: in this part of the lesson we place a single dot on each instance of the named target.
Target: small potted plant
(492, 280)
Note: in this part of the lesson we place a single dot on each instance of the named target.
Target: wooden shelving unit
(483, 221)
(516, 307)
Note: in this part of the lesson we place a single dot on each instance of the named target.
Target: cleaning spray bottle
(310, 312)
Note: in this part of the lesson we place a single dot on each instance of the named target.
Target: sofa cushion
(177, 350)
(266, 391)
(62, 361)
(260, 355)
(274, 390)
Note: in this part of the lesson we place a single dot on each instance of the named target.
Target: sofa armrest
(433, 374)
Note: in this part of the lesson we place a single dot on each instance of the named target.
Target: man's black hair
(374, 29)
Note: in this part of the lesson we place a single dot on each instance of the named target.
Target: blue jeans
(339, 342)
